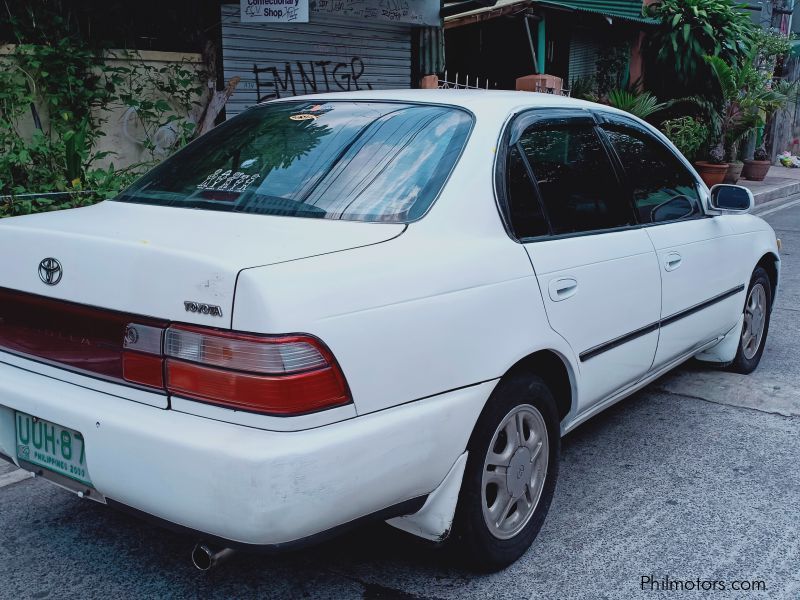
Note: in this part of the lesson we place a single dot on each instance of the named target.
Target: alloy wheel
(514, 471)
(755, 317)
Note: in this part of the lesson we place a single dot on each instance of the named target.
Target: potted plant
(713, 170)
(745, 93)
(768, 96)
(734, 172)
(687, 133)
(775, 97)
(756, 169)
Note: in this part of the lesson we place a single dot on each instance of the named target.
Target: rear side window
(525, 210)
(361, 161)
(575, 179)
(663, 189)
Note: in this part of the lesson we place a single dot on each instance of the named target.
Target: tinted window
(525, 211)
(575, 179)
(364, 161)
(663, 190)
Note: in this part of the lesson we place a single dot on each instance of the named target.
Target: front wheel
(757, 309)
(510, 475)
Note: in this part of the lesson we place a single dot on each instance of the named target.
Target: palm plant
(642, 104)
(781, 93)
(745, 93)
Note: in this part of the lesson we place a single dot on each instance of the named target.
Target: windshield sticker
(303, 117)
(232, 181)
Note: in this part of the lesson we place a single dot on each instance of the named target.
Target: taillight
(279, 375)
(142, 360)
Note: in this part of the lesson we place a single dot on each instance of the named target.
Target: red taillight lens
(76, 337)
(142, 359)
(285, 395)
(279, 375)
(143, 369)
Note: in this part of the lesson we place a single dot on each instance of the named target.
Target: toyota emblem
(50, 271)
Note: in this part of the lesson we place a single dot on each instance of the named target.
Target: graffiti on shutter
(329, 54)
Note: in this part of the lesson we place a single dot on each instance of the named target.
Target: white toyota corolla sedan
(372, 305)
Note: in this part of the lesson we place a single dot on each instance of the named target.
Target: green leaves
(641, 105)
(74, 87)
(692, 29)
(748, 93)
(725, 75)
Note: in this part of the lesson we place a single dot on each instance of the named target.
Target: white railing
(475, 84)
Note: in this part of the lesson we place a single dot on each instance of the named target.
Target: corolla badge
(50, 271)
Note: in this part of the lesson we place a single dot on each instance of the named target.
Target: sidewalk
(779, 183)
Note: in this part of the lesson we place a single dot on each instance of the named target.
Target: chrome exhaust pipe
(205, 559)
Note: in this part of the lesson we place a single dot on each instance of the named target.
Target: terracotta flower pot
(711, 173)
(734, 172)
(756, 170)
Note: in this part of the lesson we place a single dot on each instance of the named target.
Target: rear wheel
(757, 310)
(510, 475)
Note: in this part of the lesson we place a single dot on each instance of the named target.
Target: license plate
(52, 447)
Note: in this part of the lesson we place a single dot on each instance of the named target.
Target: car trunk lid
(73, 281)
(174, 264)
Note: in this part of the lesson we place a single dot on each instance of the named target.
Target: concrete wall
(122, 129)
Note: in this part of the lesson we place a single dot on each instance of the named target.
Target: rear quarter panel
(409, 318)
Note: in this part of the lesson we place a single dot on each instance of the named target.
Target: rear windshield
(359, 161)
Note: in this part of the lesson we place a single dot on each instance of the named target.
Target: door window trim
(519, 122)
(606, 118)
(560, 117)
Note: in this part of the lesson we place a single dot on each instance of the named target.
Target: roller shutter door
(329, 54)
(584, 49)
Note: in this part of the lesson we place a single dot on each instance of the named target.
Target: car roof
(475, 100)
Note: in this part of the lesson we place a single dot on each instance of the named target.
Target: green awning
(629, 10)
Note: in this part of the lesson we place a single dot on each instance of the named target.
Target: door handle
(563, 288)
(672, 261)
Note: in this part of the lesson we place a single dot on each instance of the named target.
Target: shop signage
(411, 12)
(274, 11)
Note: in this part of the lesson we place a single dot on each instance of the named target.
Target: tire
(757, 312)
(479, 545)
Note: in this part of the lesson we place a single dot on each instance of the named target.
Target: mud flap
(434, 520)
(724, 351)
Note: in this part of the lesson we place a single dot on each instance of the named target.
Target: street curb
(777, 193)
(13, 477)
(769, 205)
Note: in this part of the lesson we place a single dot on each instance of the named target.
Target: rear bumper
(244, 484)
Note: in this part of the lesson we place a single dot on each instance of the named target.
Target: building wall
(122, 131)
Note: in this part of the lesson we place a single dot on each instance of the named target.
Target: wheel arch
(769, 262)
(556, 372)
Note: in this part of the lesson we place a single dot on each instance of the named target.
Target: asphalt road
(695, 477)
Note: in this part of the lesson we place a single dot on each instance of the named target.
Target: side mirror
(735, 198)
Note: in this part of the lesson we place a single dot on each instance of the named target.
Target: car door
(597, 271)
(701, 292)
